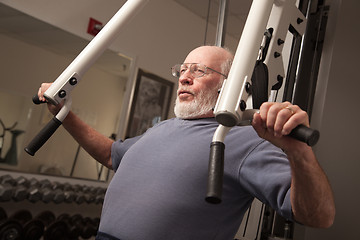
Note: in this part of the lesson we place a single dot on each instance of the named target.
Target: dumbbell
(9, 189)
(59, 196)
(79, 194)
(21, 189)
(73, 193)
(3, 214)
(33, 229)
(87, 229)
(9, 229)
(69, 194)
(74, 230)
(15, 189)
(89, 198)
(34, 194)
(6, 188)
(96, 222)
(43, 190)
(87, 191)
(7, 179)
(100, 195)
(58, 189)
(94, 194)
(48, 194)
(93, 224)
(39, 191)
(54, 229)
(6, 192)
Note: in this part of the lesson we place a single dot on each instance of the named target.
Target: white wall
(337, 115)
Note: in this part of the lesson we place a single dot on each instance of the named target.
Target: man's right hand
(52, 108)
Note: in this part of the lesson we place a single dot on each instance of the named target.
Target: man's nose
(186, 78)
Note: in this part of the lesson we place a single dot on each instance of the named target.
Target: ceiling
(18, 25)
(237, 11)
(21, 26)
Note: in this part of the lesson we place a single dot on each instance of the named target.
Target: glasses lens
(179, 69)
(197, 70)
(175, 70)
(183, 68)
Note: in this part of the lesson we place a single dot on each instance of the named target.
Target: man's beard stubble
(203, 104)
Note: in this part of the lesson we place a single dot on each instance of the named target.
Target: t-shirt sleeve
(266, 174)
(118, 150)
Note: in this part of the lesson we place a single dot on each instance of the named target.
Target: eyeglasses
(196, 70)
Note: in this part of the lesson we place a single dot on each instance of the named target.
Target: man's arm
(95, 143)
(311, 196)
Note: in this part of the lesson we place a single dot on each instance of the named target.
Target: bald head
(214, 57)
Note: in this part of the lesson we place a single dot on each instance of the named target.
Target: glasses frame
(178, 73)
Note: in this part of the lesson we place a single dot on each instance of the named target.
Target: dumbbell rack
(72, 206)
(45, 225)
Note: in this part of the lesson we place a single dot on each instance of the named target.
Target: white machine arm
(231, 108)
(227, 110)
(65, 83)
(61, 88)
(277, 15)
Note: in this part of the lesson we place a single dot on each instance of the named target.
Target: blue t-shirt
(160, 183)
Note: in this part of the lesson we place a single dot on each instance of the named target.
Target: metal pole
(221, 24)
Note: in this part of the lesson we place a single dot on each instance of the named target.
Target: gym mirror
(34, 52)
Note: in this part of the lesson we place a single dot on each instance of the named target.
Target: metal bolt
(73, 81)
(247, 87)
(62, 93)
(242, 105)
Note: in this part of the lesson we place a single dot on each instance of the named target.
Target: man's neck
(211, 115)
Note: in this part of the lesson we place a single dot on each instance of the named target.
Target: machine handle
(216, 162)
(38, 141)
(216, 172)
(36, 100)
(305, 134)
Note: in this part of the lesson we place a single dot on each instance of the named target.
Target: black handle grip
(216, 172)
(45, 133)
(36, 100)
(305, 134)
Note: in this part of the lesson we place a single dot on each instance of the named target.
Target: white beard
(203, 104)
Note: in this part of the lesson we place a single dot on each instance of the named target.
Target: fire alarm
(94, 27)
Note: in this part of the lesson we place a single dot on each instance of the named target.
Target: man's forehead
(209, 56)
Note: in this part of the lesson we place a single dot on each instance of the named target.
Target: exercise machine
(261, 45)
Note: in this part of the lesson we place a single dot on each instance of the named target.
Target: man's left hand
(275, 121)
